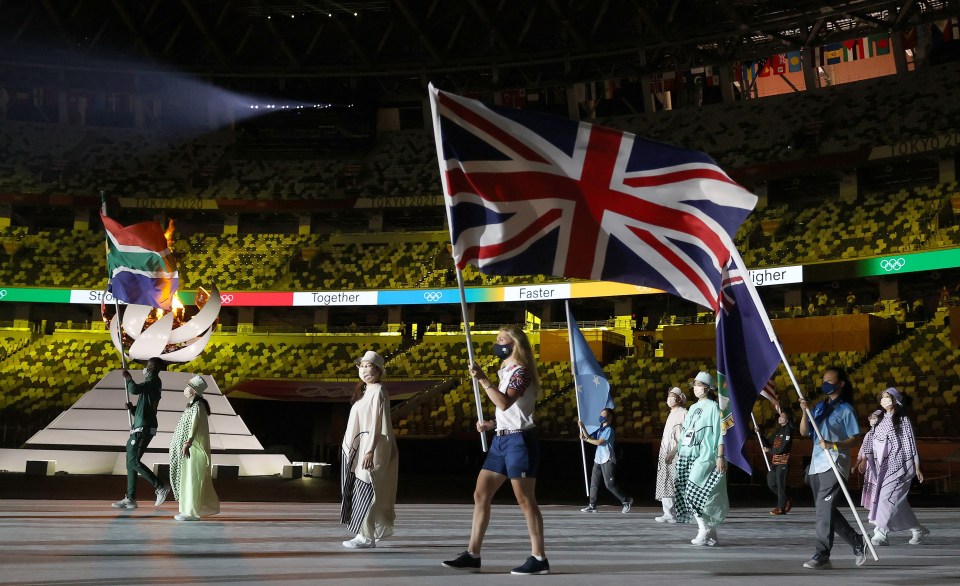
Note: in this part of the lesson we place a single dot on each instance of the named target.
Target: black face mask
(502, 351)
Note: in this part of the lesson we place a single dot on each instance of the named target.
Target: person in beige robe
(191, 458)
(370, 460)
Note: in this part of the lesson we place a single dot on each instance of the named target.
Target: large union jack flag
(529, 194)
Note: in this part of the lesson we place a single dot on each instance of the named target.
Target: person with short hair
(604, 463)
(837, 422)
(890, 460)
(370, 459)
(666, 459)
(515, 452)
(191, 459)
(142, 432)
(701, 480)
(778, 446)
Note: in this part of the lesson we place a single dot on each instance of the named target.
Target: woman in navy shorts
(515, 453)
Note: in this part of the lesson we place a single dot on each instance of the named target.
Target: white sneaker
(181, 517)
(918, 535)
(125, 503)
(664, 519)
(700, 539)
(879, 539)
(626, 505)
(712, 539)
(162, 495)
(359, 542)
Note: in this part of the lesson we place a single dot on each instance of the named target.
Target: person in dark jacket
(778, 447)
(142, 431)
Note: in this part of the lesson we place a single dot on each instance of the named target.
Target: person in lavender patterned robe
(868, 474)
(891, 462)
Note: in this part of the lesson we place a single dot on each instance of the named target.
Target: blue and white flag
(593, 390)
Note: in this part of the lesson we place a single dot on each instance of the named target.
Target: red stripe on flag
(478, 252)
(679, 264)
(147, 235)
(485, 126)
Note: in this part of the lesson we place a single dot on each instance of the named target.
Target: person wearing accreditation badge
(604, 463)
(700, 485)
(514, 454)
(837, 421)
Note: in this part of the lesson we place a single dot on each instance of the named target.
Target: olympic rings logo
(3, 293)
(893, 264)
(433, 296)
(226, 299)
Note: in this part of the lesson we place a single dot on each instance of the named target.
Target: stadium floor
(87, 542)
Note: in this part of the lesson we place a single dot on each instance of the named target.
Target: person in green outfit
(190, 457)
(143, 430)
(700, 484)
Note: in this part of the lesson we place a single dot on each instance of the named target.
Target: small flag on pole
(769, 392)
(593, 390)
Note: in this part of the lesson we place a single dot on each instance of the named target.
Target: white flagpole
(576, 391)
(463, 295)
(470, 357)
(796, 387)
(756, 428)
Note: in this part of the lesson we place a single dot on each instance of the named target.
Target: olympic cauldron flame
(187, 340)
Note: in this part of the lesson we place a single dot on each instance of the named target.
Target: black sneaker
(464, 561)
(818, 562)
(532, 567)
(860, 551)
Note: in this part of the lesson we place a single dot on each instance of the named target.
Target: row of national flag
(830, 54)
(531, 194)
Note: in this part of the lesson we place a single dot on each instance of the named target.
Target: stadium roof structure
(392, 47)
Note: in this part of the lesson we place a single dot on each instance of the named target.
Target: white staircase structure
(90, 437)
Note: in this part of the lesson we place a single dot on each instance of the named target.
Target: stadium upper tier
(874, 224)
(47, 158)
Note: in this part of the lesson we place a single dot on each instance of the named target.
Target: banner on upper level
(901, 262)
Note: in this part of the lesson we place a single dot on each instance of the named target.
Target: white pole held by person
(796, 387)
(756, 428)
(576, 390)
